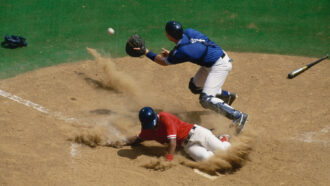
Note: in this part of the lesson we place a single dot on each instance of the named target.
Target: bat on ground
(304, 68)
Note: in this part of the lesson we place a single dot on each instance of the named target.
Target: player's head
(174, 29)
(148, 118)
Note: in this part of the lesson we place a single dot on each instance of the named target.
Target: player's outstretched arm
(171, 149)
(158, 58)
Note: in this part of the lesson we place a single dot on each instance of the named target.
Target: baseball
(111, 31)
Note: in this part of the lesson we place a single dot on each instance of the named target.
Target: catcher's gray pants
(203, 143)
(212, 78)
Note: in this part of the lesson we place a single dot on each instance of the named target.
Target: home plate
(211, 177)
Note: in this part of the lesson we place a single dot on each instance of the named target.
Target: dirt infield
(43, 112)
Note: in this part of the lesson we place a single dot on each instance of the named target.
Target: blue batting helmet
(174, 29)
(148, 118)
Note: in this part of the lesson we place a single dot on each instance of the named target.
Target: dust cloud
(103, 132)
(122, 124)
(124, 83)
(115, 79)
(92, 136)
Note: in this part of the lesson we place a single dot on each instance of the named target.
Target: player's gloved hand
(135, 46)
(169, 157)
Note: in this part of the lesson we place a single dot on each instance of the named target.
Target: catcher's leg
(214, 81)
(221, 69)
(217, 76)
(227, 97)
(196, 83)
(219, 106)
(193, 88)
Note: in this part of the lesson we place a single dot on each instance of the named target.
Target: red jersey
(168, 127)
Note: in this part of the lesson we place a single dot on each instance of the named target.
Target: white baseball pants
(212, 78)
(203, 143)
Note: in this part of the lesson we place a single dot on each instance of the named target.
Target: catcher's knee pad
(193, 88)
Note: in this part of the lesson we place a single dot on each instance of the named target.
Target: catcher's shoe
(229, 99)
(240, 122)
(224, 137)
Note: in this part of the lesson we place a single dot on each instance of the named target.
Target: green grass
(58, 31)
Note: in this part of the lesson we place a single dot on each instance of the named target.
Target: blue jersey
(196, 48)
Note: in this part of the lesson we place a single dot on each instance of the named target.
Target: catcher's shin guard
(221, 107)
(227, 97)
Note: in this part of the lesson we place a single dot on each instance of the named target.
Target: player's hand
(165, 52)
(169, 157)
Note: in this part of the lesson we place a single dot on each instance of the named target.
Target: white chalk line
(23, 101)
(57, 115)
(74, 149)
(37, 107)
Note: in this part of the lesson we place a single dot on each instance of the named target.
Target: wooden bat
(304, 68)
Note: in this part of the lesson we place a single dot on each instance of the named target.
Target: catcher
(215, 63)
(198, 142)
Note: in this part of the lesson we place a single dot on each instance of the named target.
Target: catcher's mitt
(135, 46)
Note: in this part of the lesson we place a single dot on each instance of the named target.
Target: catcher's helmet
(174, 29)
(148, 118)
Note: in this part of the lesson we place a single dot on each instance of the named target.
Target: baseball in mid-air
(111, 31)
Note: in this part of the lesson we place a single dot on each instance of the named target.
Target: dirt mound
(51, 117)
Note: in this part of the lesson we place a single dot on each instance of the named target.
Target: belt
(189, 135)
(223, 55)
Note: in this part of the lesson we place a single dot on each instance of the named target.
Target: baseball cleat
(232, 97)
(240, 122)
(228, 99)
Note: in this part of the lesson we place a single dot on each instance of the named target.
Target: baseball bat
(304, 68)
